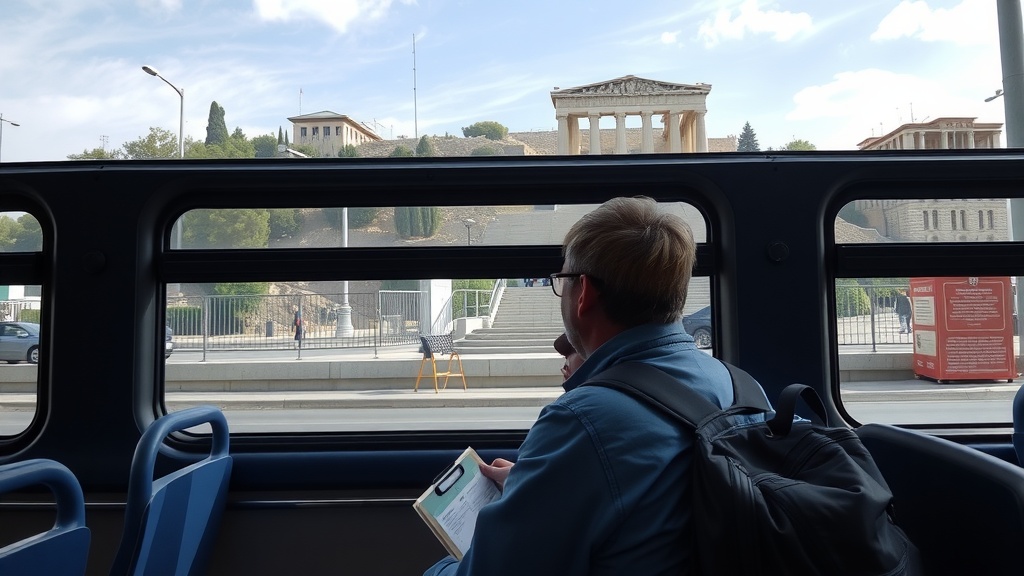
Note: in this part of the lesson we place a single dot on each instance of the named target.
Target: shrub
(29, 315)
(851, 299)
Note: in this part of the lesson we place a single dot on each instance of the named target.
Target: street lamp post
(181, 153)
(181, 116)
(2, 131)
(344, 328)
(468, 222)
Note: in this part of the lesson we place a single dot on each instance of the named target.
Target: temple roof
(629, 86)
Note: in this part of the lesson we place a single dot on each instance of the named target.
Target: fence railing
(866, 316)
(266, 322)
(463, 303)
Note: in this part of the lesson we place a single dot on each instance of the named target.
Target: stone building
(940, 134)
(965, 220)
(681, 107)
(329, 132)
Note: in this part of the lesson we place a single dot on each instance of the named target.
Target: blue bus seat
(964, 509)
(440, 344)
(63, 549)
(1018, 425)
(171, 522)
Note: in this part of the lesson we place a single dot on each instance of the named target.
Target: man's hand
(497, 471)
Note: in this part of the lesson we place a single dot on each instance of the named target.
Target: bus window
(19, 326)
(313, 355)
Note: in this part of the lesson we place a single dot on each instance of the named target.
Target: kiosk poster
(963, 328)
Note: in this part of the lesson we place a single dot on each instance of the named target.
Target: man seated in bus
(600, 485)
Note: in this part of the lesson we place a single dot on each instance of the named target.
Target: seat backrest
(438, 343)
(171, 522)
(1018, 425)
(428, 352)
(964, 509)
(63, 549)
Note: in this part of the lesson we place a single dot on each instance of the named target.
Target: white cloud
(729, 24)
(337, 14)
(669, 37)
(859, 104)
(166, 5)
(970, 22)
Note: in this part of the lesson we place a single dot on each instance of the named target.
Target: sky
(831, 73)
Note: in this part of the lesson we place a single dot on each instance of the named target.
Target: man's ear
(589, 296)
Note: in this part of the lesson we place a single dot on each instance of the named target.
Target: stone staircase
(528, 320)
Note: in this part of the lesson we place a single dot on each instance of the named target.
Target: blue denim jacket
(601, 484)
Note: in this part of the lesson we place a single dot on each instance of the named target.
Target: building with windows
(329, 132)
(967, 220)
(947, 133)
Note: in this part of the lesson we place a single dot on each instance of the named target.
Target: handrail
(496, 294)
(442, 324)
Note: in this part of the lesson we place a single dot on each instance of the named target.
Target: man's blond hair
(640, 258)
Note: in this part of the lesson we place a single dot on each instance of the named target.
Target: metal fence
(866, 315)
(263, 322)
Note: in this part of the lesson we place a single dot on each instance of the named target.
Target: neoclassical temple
(681, 106)
(942, 133)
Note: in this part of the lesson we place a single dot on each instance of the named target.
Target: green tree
(280, 135)
(21, 235)
(417, 221)
(97, 154)
(484, 151)
(265, 146)
(401, 151)
(488, 129)
(348, 151)
(216, 128)
(425, 147)
(796, 144)
(362, 217)
(307, 149)
(285, 138)
(159, 143)
(285, 222)
(226, 228)
(30, 239)
(748, 140)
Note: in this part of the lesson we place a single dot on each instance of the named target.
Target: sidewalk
(455, 396)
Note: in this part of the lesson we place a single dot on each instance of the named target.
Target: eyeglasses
(558, 281)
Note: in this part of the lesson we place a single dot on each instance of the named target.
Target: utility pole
(415, 117)
(1011, 56)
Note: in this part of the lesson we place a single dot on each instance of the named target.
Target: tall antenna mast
(415, 116)
(300, 101)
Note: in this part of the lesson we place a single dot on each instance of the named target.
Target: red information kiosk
(963, 328)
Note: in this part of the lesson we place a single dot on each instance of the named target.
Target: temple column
(943, 139)
(595, 133)
(702, 133)
(970, 138)
(675, 144)
(574, 135)
(563, 134)
(647, 141)
(620, 133)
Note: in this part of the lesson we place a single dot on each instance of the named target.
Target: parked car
(698, 325)
(168, 342)
(19, 342)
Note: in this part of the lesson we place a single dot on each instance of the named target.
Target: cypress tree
(216, 128)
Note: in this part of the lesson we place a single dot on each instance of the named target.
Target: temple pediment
(631, 86)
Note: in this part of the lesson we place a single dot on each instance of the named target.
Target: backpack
(778, 496)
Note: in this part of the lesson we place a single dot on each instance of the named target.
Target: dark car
(19, 342)
(168, 341)
(698, 325)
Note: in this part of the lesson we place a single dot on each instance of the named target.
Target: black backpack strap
(786, 407)
(664, 391)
